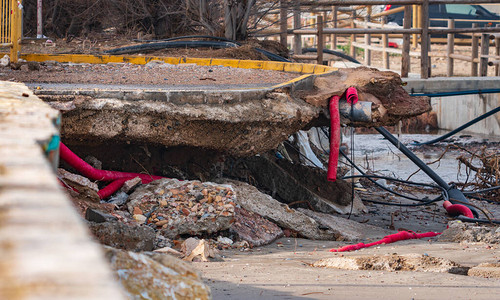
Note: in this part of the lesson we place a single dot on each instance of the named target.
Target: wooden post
(368, 39)
(352, 50)
(405, 61)
(283, 23)
(297, 38)
(333, 37)
(415, 25)
(450, 47)
(385, 44)
(424, 45)
(15, 31)
(474, 52)
(485, 50)
(319, 47)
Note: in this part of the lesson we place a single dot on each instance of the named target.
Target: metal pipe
(361, 111)
(39, 27)
(453, 193)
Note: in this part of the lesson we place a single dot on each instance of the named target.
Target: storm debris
(254, 229)
(458, 231)
(249, 198)
(183, 207)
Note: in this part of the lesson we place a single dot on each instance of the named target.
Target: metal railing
(10, 26)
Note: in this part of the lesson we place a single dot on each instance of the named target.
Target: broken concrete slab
(251, 199)
(97, 216)
(392, 263)
(304, 186)
(183, 207)
(347, 230)
(237, 127)
(156, 276)
(194, 249)
(240, 122)
(123, 236)
(458, 231)
(486, 270)
(130, 185)
(253, 228)
(81, 184)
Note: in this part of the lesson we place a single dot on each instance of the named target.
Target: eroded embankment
(236, 122)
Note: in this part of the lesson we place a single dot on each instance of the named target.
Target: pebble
(137, 211)
(140, 218)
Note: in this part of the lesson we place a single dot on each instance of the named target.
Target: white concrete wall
(492, 7)
(457, 110)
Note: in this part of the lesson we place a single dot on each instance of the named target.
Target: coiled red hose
(457, 210)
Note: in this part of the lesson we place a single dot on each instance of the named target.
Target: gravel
(153, 73)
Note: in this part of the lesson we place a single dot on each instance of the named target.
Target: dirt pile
(392, 263)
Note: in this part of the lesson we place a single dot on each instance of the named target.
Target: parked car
(463, 14)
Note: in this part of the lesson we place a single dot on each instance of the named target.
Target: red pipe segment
(95, 174)
(111, 188)
(333, 158)
(457, 210)
(400, 236)
(351, 95)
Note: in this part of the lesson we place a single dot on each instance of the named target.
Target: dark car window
(461, 9)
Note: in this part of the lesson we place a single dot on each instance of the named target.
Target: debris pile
(392, 263)
(458, 231)
(183, 207)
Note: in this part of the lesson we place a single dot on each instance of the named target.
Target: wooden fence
(416, 32)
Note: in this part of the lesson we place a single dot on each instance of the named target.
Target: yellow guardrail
(10, 26)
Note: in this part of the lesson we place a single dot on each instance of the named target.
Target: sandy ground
(282, 270)
(274, 272)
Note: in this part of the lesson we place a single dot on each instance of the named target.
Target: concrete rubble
(254, 229)
(252, 200)
(458, 231)
(124, 236)
(295, 183)
(183, 207)
(156, 276)
(487, 270)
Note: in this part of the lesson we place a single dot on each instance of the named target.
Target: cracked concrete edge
(45, 249)
(303, 82)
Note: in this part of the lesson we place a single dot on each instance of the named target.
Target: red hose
(400, 236)
(333, 158)
(457, 210)
(351, 95)
(95, 174)
(111, 188)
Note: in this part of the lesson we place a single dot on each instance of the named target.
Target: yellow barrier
(10, 26)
